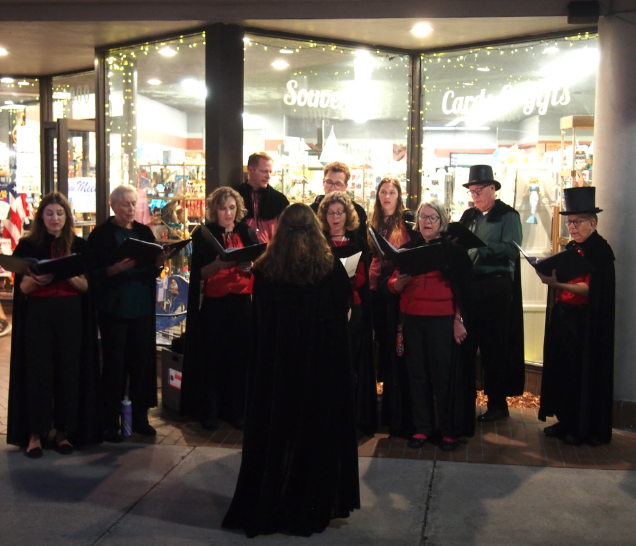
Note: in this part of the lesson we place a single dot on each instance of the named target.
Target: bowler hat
(481, 174)
(580, 201)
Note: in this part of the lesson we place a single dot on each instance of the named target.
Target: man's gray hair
(439, 207)
(119, 192)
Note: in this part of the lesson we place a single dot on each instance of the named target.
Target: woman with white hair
(433, 329)
(125, 296)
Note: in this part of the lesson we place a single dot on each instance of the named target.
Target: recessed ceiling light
(483, 69)
(286, 51)
(154, 81)
(422, 29)
(8, 102)
(23, 82)
(3, 51)
(195, 87)
(246, 39)
(6, 80)
(551, 49)
(280, 65)
(361, 53)
(167, 52)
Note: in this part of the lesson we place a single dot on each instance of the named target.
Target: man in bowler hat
(497, 310)
(578, 351)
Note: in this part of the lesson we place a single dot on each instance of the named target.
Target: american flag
(18, 211)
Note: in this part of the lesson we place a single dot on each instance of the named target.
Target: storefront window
(506, 107)
(155, 127)
(307, 104)
(74, 96)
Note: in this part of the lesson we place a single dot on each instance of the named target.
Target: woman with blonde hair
(215, 360)
(389, 219)
(299, 468)
(340, 224)
(54, 362)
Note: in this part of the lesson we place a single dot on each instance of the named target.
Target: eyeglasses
(575, 223)
(337, 185)
(431, 219)
(337, 213)
(476, 193)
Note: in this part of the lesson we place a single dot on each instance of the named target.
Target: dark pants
(384, 337)
(53, 360)
(125, 347)
(491, 304)
(564, 356)
(224, 343)
(428, 346)
(356, 329)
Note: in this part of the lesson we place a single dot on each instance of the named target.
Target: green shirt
(501, 253)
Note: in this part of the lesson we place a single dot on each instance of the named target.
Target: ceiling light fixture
(551, 49)
(483, 69)
(286, 51)
(8, 102)
(154, 81)
(280, 65)
(422, 29)
(6, 80)
(167, 52)
(3, 51)
(246, 39)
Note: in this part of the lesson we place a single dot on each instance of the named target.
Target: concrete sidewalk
(177, 495)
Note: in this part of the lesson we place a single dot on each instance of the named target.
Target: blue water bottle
(126, 418)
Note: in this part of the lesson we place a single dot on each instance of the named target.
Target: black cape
(202, 255)
(102, 242)
(463, 394)
(366, 392)
(271, 204)
(89, 422)
(300, 462)
(396, 410)
(597, 385)
(515, 372)
(361, 230)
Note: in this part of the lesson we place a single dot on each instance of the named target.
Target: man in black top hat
(578, 351)
(497, 317)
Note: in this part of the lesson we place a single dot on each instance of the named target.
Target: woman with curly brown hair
(299, 468)
(340, 224)
(215, 363)
(388, 219)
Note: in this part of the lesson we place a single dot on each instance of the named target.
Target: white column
(615, 180)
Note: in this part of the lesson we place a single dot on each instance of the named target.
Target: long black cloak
(462, 384)
(102, 243)
(300, 463)
(202, 255)
(366, 397)
(597, 381)
(89, 421)
(515, 372)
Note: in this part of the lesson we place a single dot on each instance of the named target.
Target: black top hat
(481, 174)
(580, 201)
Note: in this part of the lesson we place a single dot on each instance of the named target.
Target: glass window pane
(74, 96)
(308, 104)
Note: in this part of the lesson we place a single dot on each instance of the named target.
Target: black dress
(300, 464)
(72, 326)
(215, 359)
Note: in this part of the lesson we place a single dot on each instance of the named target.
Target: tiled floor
(518, 440)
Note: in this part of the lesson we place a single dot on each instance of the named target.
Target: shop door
(69, 166)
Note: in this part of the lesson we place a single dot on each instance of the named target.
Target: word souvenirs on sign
(314, 98)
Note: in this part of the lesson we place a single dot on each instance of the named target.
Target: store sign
(532, 97)
(314, 98)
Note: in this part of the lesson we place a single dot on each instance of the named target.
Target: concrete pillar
(615, 180)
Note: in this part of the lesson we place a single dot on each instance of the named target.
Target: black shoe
(572, 440)
(63, 449)
(113, 437)
(35, 453)
(448, 444)
(558, 430)
(493, 415)
(144, 428)
(417, 442)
